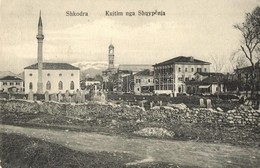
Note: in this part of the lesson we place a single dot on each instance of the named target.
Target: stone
(238, 117)
(46, 96)
(102, 97)
(83, 97)
(78, 96)
(30, 95)
(219, 109)
(67, 96)
(209, 103)
(160, 103)
(202, 104)
(73, 98)
(231, 122)
(142, 104)
(151, 105)
(53, 97)
(59, 98)
(230, 118)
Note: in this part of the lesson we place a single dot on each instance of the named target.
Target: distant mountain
(91, 65)
(91, 69)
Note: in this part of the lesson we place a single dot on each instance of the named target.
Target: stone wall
(238, 117)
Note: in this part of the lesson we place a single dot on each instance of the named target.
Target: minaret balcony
(40, 36)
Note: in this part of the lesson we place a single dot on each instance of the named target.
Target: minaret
(111, 57)
(40, 38)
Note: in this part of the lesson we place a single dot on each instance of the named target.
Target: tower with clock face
(111, 57)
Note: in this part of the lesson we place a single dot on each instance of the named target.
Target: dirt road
(148, 150)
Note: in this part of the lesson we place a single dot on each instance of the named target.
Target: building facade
(206, 83)
(56, 77)
(11, 84)
(144, 82)
(170, 75)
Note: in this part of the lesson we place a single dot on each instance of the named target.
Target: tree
(218, 63)
(250, 48)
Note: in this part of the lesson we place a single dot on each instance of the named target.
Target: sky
(199, 28)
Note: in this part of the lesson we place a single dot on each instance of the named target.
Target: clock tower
(111, 57)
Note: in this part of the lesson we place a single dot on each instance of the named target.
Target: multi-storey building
(170, 75)
(144, 82)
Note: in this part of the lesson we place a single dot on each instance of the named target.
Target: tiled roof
(54, 66)
(145, 72)
(182, 59)
(206, 81)
(210, 73)
(6, 73)
(11, 78)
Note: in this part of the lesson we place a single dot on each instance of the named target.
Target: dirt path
(148, 150)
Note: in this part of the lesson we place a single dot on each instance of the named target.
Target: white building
(56, 77)
(51, 77)
(11, 84)
(170, 76)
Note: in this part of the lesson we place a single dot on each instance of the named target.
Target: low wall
(237, 117)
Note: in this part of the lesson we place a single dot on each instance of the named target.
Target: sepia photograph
(130, 83)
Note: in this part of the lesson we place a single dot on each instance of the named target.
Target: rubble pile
(243, 115)
(155, 132)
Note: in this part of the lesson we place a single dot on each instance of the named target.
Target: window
(138, 81)
(192, 69)
(180, 79)
(60, 74)
(48, 85)
(71, 85)
(11, 83)
(30, 85)
(205, 69)
(186, 69)
(17, 83)
(48, 74)
(149, 80)
(198, 69)
(60, 85)
(179, 69)
(30, 74)
(72, 74)
(186, 79)
(4, 83)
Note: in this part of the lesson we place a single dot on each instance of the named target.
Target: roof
(182, 59)
(6, 73)
(257, 67)
(54, 66)
(134, 67)
(145, 72)
(210, 73)
(111, 46)
(11, 78)
(40, 20)
(206, 81)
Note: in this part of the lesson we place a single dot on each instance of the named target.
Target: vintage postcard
(130, 83)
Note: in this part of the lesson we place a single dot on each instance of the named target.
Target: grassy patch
(21, 151)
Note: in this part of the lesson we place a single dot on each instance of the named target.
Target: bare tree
(250, 30)
(218, 63)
